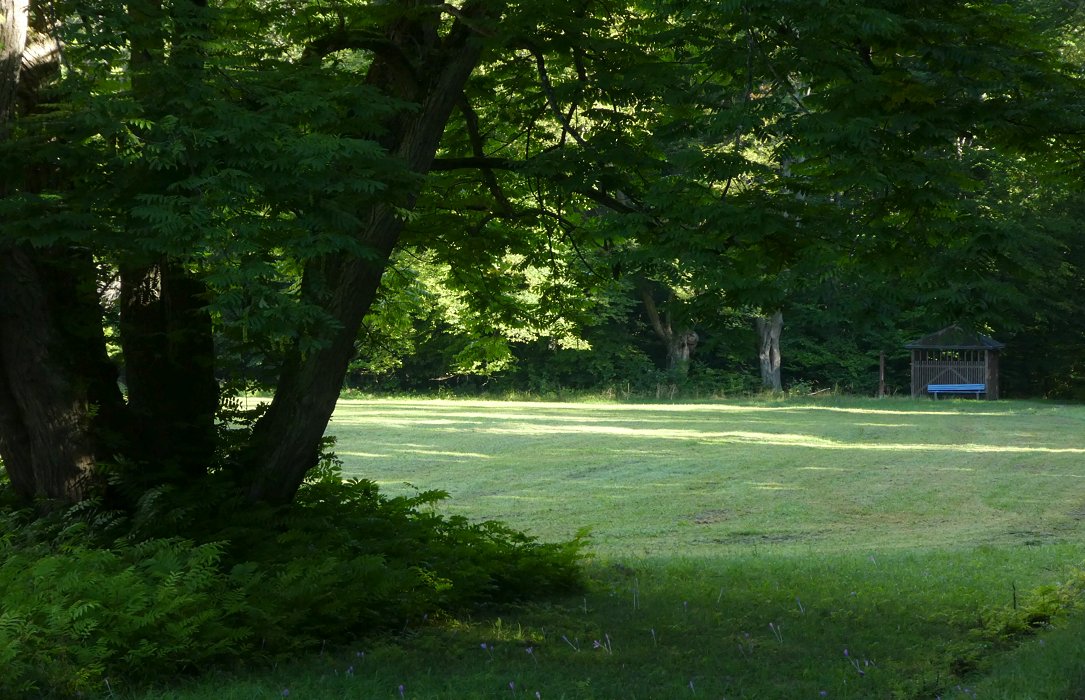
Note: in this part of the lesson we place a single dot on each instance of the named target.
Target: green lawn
(841, 549)
(721, 480)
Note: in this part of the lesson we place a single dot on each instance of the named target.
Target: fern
(343, 560)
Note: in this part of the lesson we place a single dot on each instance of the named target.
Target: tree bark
(166, 330)
(14, 22)
(680, 344)
(168, 344)
(285, 442)
(60, 408)
(768, 330)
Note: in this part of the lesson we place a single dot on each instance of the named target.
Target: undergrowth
(93, 599)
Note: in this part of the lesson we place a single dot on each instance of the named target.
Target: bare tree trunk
(680, 344)
(682, 347)
(285, 442)
(768, 330)
(14, 22)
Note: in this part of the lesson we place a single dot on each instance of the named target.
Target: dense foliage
(92, 599)
(208, 196)
(874, 190)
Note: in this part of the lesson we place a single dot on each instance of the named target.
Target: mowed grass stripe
(655, 479)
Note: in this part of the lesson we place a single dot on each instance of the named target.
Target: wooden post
(881, 375)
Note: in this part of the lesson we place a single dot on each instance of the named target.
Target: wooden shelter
(955, 361)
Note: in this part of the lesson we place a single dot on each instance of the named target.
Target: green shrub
(71, 614)
(342, 562)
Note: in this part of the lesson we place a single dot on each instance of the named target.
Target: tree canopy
(208, 195)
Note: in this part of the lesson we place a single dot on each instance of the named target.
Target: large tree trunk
(681, 350)
(60, 408)
(14, 22)
(768, 331)
(166, 331)
(285, 442)
(166, 335)
(680, 343)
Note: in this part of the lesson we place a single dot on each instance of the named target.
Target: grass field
(841, 549)
(723, 479)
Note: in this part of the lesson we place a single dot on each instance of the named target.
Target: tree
(188, 170)
(13, 28)
(240, 175)
(680, 340)
(769, 329)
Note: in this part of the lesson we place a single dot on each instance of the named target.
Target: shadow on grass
(913, 625)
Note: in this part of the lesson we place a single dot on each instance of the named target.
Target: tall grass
(843, 549)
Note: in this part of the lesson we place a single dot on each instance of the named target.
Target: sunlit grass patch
(941, 473)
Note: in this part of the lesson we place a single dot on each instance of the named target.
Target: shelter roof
(955, 338)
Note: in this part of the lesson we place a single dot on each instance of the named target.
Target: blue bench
(937, 390)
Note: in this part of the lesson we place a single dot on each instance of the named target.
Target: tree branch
(618, 203)
(462, 17)
(475, 163)
(551, 96)
(663, 331)
(471, 120)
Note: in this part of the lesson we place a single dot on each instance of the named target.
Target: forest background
(509, 284)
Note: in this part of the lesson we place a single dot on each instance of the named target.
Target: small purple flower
(286, 692)
(402, 690)
(824, 693)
